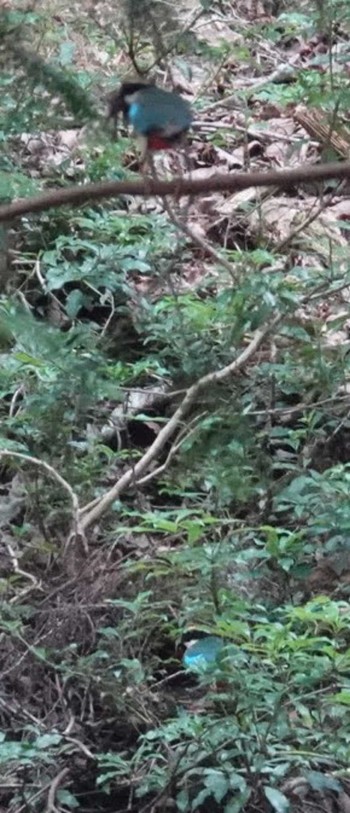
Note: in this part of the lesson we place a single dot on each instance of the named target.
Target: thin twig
(77, 531)
(309, 219)
(196, 238)
(17, 568)
(16, 395)
(51, 796)
(252, 85)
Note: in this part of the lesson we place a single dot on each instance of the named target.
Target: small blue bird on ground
(160, 118)
(204, 653)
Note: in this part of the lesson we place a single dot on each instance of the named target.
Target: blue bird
(203, 653)
(159, 117)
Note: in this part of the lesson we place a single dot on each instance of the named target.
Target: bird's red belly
(157, 142)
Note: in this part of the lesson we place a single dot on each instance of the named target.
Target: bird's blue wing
(154, 110)
(203, 653)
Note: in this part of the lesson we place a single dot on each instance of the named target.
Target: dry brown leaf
(286, 155)
(50, 148)
(215, 31)
(204, 172)
(12, 501)
(180, 83)
(344, 802)
(341, 209)
(236, 158)
(278, 218)
(240, 199)
(281, 125)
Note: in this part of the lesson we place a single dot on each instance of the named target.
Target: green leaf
(238, 802)
(182, 801)
(217, 783)
(27, 359)
(66, 53)
(341, 697)
(67, 798)
(277, 800)
(45, 740)
(320, 781)
(75, 300)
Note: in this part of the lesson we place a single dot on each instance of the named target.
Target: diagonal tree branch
(94, 510)
(231, 182)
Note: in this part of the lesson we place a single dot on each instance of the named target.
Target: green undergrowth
(269, 709)
(240, 526)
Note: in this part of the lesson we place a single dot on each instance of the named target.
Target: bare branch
(94, 510)
(231, 182)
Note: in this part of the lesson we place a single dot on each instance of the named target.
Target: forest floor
(133, 519)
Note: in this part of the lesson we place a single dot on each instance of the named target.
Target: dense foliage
(111, 316)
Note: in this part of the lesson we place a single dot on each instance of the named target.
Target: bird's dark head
(120, 100)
